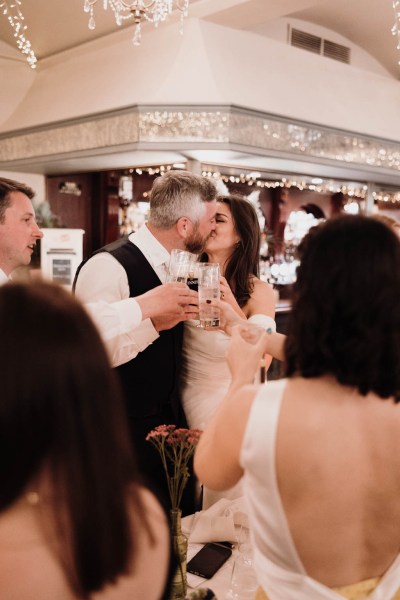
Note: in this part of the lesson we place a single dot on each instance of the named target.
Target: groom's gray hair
(179, 194)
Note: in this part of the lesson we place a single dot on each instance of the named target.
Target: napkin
(217, 523)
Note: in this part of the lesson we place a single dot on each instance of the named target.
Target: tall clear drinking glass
(179, 265)
(243, 584)
(209, 312)
(193, 274)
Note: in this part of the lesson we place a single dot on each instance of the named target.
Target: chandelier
(13, 13)
(154, 11)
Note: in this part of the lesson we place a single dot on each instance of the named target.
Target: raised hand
(245, 350)
(169, 304)
(227, 296)
(229, 317)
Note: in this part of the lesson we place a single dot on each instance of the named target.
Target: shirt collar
(152, 249)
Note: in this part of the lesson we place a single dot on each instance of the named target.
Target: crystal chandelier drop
(154, 11)
(396, 26)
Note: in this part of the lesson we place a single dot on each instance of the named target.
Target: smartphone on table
(209, 559)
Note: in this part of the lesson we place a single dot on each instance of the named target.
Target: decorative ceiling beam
(209, 127)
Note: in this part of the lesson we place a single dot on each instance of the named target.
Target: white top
(103, 286)
(279, 569)
(3, 277)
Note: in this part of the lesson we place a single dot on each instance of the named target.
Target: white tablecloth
(220, 584)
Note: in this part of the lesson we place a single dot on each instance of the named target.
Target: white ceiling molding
(190, 128)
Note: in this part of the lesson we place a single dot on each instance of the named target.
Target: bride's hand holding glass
(227, 295)
(245, 351)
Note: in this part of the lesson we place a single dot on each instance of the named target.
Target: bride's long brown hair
(243, 264)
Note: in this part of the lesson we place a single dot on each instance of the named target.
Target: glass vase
(180, 545)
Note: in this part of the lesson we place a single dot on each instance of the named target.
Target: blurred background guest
(313, 209)
(276, 207)
(337, 202)
(320, 450)
(75, 522)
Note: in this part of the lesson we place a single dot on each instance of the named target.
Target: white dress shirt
(103, 286)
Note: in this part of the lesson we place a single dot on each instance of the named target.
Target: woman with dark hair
(235, 245)
(320, 450)
(75, 522)
(314, 210)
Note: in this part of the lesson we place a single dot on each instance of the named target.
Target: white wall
(359, 58)
(36, 182)
(16, 78)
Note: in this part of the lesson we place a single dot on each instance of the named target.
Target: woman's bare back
(338, 468)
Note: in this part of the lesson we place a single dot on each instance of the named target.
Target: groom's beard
(196, 242)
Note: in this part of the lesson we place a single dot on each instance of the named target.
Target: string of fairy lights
(256, 181)
(13, 13)
(320, 188)
(396, 26)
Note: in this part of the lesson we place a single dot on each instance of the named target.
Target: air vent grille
(306, 41)
(314, 43)
(336, 51)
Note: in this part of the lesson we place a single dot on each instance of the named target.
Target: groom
(182, 215)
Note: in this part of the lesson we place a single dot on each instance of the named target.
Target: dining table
(235, 579)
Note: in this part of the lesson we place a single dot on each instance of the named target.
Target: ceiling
(57, 25)
(54, 26)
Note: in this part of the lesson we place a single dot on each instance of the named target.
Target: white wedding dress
(205, 373)
(205, 380)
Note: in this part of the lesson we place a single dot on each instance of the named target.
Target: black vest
(150, 380)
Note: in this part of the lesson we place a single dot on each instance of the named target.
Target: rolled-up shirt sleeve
(103, 287)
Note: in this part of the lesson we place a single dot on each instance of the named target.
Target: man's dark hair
(7, 186)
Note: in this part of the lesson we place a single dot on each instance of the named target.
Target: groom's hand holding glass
(169, 304)
(181, 264)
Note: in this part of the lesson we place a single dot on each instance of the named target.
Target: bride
(235, 245)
